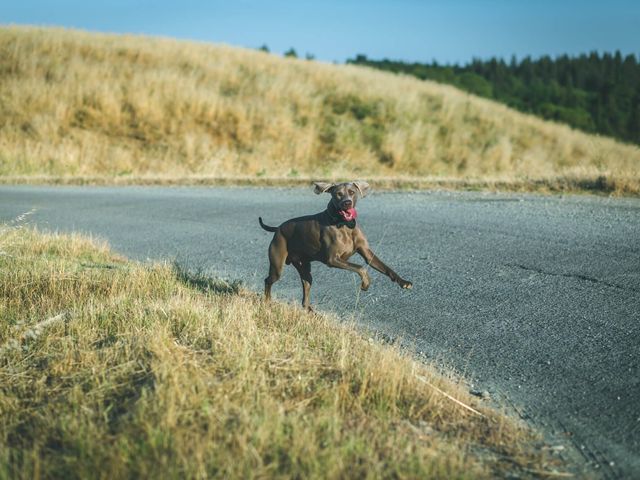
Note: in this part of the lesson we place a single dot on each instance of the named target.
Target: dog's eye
(351, 192)
(339, 194)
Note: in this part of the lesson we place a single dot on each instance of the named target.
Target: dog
(330, 237)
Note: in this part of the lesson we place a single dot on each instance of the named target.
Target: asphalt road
(535, 299)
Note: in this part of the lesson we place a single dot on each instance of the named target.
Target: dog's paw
(366, 281)
(406, 285)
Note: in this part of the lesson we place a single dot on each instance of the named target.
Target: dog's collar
(338, 221)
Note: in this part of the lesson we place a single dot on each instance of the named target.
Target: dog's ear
(363, 187)
(321, 187)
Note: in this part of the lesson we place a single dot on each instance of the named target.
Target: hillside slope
(594, 93)
(131, 371)
(76, 103)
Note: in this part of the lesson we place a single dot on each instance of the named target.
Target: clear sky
(447, 31)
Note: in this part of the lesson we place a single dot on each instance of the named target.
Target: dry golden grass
(157, 375)
(600, 184)
(79, 104)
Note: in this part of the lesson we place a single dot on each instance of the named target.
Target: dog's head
(344, 196)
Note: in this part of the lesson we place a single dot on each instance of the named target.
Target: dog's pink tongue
(349, 214)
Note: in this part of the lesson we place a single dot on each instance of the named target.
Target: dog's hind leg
(304, 269)
(277, 257)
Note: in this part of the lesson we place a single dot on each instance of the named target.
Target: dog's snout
(347, 203)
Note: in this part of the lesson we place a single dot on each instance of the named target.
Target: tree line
(595, 93)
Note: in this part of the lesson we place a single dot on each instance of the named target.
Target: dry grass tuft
(155, 373)
(79, 104)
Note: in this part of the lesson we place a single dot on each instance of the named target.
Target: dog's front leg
(337, 262)
(375, 262)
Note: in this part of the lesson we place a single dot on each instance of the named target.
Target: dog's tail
(267, 227)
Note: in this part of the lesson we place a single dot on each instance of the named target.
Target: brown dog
(330, 237)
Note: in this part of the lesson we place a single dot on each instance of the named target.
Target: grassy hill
(594, 93)
(83, 104)
(114, 369)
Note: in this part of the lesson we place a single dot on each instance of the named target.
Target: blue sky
(447, 31)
